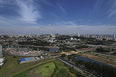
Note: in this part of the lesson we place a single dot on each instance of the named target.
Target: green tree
(72, 70)
(63, 55)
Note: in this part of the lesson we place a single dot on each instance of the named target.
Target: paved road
(77, 67)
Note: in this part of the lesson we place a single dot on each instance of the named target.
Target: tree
(78, 74)
(72, 70)
(88, 65)
(14, 56)
(63, 55)
(82, 62)
(69, 57)
(101, 50)
(114, 53)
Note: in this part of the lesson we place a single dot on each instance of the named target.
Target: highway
(77, 67)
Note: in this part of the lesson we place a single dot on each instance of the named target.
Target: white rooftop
(1, 60)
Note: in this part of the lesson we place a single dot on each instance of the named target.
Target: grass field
(61, 66)
(46, 71)
(24, 74)
(40, 71)
(10, 65)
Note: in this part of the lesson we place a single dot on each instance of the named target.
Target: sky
(57, 16)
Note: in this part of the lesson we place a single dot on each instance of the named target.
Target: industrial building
(30, 59)
(25, 60)
(2, 61)
(54, 50)
(1, 56)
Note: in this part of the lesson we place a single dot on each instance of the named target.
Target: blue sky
(57, 16)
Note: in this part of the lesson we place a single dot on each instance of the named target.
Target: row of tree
(63, 73)
(81, 46)
(103, 70)
(114, 53)
(102, 50)
(75, 72)
(65, 48)
(37, 43)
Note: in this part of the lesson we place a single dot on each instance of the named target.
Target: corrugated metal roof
(29, 58)
(54, 50)
(22, 59)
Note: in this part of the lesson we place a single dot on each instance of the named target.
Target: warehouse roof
(29, 58)
(22, 59)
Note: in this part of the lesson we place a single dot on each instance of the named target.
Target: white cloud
(108, 7)
(47, 2)
(112, 11)
(62, 29)
(54, 15)
(80, 19)
(28, 11)
(62, 9)
(89, 20)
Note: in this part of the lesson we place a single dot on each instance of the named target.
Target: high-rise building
(78, 35)
(1, 51)
(114, 36)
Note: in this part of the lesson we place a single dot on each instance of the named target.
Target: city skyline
(57, 16)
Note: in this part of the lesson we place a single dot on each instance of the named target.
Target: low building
(1, 51)
(25, 60)
(2, 61)
(41, 57)
(37, 58)
(54, 50)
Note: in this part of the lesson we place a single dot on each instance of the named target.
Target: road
(77, 67)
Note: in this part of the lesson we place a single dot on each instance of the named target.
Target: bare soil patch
(33, 74)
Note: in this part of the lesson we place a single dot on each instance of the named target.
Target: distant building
(114, 36)
(52, 36)
(1, 51)
(78, 35)
(2, 61)
(71, 38)
(54, 50)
